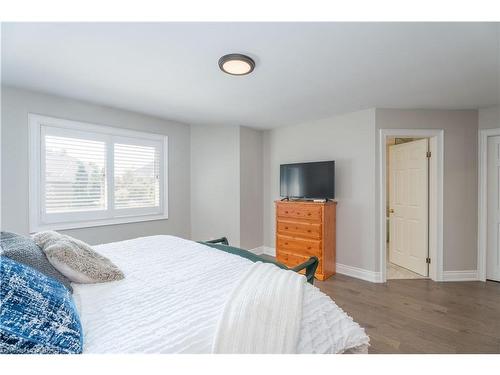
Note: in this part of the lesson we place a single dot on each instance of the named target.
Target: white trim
(164, 180)
(359, 273)
(257, 250)
(376, 277)
(271, 251)
(34, 174)
(469, 275)
(39, 221)
(436, 248)
(91, 127)
(96, 223)
(482, 220)
(266, 250)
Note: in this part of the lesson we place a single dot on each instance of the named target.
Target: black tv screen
(314, 180)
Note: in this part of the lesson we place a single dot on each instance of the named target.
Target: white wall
(460, 176)
(17, 103)
(489, 118)
(251, 188)
(226, 184)
(350, 141)
(215, 183)
(223, 180)
(215, 173)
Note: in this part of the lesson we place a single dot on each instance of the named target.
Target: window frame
(39, 220)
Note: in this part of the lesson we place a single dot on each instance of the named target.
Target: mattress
(173, 294)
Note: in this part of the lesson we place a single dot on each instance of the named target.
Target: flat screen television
(315, 180)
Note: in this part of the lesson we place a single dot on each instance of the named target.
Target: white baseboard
(376, 277)
(469, 275)
(359, 273)
(257, 251)
(271, 251)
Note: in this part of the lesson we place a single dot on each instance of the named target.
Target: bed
(173, 295)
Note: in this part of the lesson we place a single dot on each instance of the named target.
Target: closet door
(493, 237)
(408, 197)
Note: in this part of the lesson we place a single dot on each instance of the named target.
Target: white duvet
(172, 298)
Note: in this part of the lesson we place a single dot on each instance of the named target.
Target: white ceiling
(304, 71)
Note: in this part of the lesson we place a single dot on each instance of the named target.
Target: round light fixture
(236, 64)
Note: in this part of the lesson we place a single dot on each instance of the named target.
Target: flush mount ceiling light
(236, 64)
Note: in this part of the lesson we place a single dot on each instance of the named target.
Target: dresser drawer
(292, 260)
(298, 211)
(299, 246)
(306, 230)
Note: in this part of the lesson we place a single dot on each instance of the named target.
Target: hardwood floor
(422, 316)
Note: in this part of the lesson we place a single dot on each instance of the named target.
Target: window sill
(96, 223)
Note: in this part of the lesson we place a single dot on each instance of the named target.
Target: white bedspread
(173, 295)
(263, 313)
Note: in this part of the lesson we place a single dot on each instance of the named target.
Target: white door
(493, 237)
(408, 205)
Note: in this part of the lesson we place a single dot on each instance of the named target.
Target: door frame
(482, 204)
(435, 191)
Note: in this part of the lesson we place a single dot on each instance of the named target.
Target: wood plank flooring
(422, 316)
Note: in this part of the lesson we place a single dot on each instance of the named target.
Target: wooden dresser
(305, 229)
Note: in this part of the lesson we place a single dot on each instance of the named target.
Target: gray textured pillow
(76, 260)
(24, 250)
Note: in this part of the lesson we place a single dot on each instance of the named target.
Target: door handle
(391, 210)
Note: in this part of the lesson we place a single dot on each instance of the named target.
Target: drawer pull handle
(286, 227)
(308, 247)
(308, 231)
(286, 243)
(286, 212)
(308, 214)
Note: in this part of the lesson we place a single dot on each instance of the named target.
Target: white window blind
(137, 176)
(74, 174)
(89, 175)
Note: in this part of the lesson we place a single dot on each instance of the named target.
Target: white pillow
(76, 260)
(70, 273)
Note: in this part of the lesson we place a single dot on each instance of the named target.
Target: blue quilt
(37, 313)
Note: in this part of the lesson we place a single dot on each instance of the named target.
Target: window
(85, 175)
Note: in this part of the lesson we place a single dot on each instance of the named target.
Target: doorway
(493, 214)
(415, 249)
(407, 191)
(489, 205)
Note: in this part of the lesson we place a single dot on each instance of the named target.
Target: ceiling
(304, 71)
